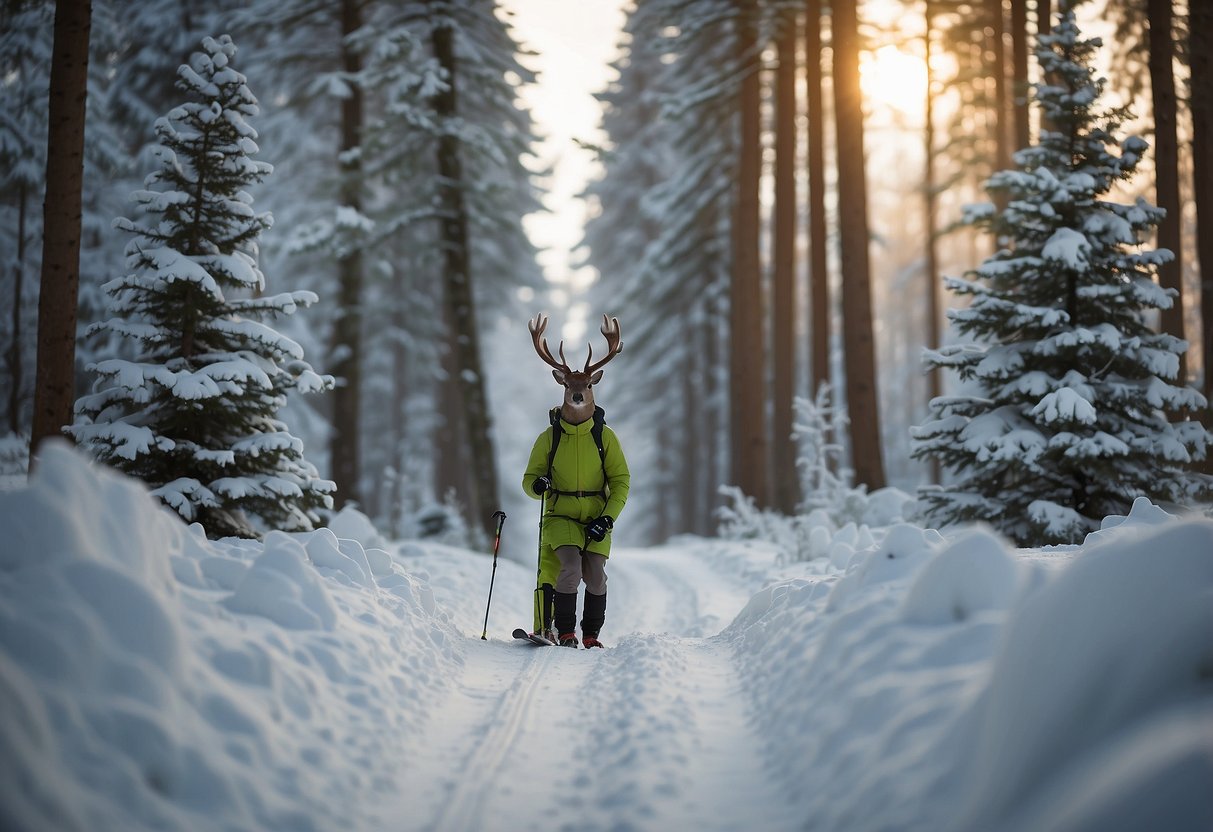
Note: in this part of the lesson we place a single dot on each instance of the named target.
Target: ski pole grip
(499, 516)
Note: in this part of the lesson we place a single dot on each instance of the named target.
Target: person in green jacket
(583, 483)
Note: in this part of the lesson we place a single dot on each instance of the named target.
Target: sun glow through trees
(891, 77)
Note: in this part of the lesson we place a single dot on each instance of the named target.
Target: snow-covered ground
(151, 679)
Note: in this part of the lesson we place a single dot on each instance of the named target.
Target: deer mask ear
(597, 377)
(559, 376)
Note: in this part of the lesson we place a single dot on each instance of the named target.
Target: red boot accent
(591, 641)
(568, 640)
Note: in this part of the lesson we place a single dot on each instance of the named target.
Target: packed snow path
(651, 733)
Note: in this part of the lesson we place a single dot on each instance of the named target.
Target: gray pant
(576, 566)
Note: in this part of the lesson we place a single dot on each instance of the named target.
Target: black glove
(598, 527)
(541, 484)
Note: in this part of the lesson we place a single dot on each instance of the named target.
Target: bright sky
(575, 41)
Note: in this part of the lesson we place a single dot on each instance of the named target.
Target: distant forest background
(774, 211)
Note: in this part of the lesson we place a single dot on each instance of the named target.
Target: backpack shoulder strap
(554, 418)
(596, 432)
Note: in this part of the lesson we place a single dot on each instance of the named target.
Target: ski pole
(499, 516)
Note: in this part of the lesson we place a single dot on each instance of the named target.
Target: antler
(537, 326)
(610, 328)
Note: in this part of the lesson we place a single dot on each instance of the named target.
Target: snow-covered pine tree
(194, 415)
(1069, 411)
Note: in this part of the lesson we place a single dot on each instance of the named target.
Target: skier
(578, 469)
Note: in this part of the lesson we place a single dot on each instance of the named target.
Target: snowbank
(959, 686)
(900, 681)
(150, 678)
(853, 521)
(1104, 664)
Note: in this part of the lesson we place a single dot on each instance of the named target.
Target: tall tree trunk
(999, 111)
(747, 353)
(860, 352)
(783, 312)
(347, 331)
(400, 389)
(13, 356)
(934, 375)
(452, 471)
(1044, 25)
(819, 279)
(1019, 73)
(54, 391)
(457, 282)
(691, 450)
(663, 510)
(1200, 50)
(711, 416)
(1166, 162)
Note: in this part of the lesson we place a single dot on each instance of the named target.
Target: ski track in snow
(489, 761)
(651, 733)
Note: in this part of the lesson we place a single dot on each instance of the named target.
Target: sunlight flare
(893, 78)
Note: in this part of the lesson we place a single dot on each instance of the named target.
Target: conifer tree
(194, 414)
(1069, 408)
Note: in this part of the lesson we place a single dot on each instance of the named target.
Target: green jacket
(578, 467)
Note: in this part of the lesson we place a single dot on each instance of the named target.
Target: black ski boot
(565, 618)
(593, 616)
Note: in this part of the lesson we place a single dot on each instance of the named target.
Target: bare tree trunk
(13, 355)
(54, 390)
(747, 353)
(1019, 73)
(934, 317)
(711, 417)
(862, 398)
(1166, 163)
(400, 389)
(457, 281)
(452, 472)
(1200, 50)
(662, 510)
(691, 451)
(998, 70)
(347, 330)
(783, 455)
(819, 279)
(1044, 25)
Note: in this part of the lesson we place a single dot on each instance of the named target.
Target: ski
(533, 638)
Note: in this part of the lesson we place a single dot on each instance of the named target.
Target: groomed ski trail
(465, 807)
(651, 733)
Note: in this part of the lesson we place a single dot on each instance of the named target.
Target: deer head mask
(578, 384)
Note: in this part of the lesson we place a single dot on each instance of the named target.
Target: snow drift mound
(957, 686)
(150, 678)
(1102, 667)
